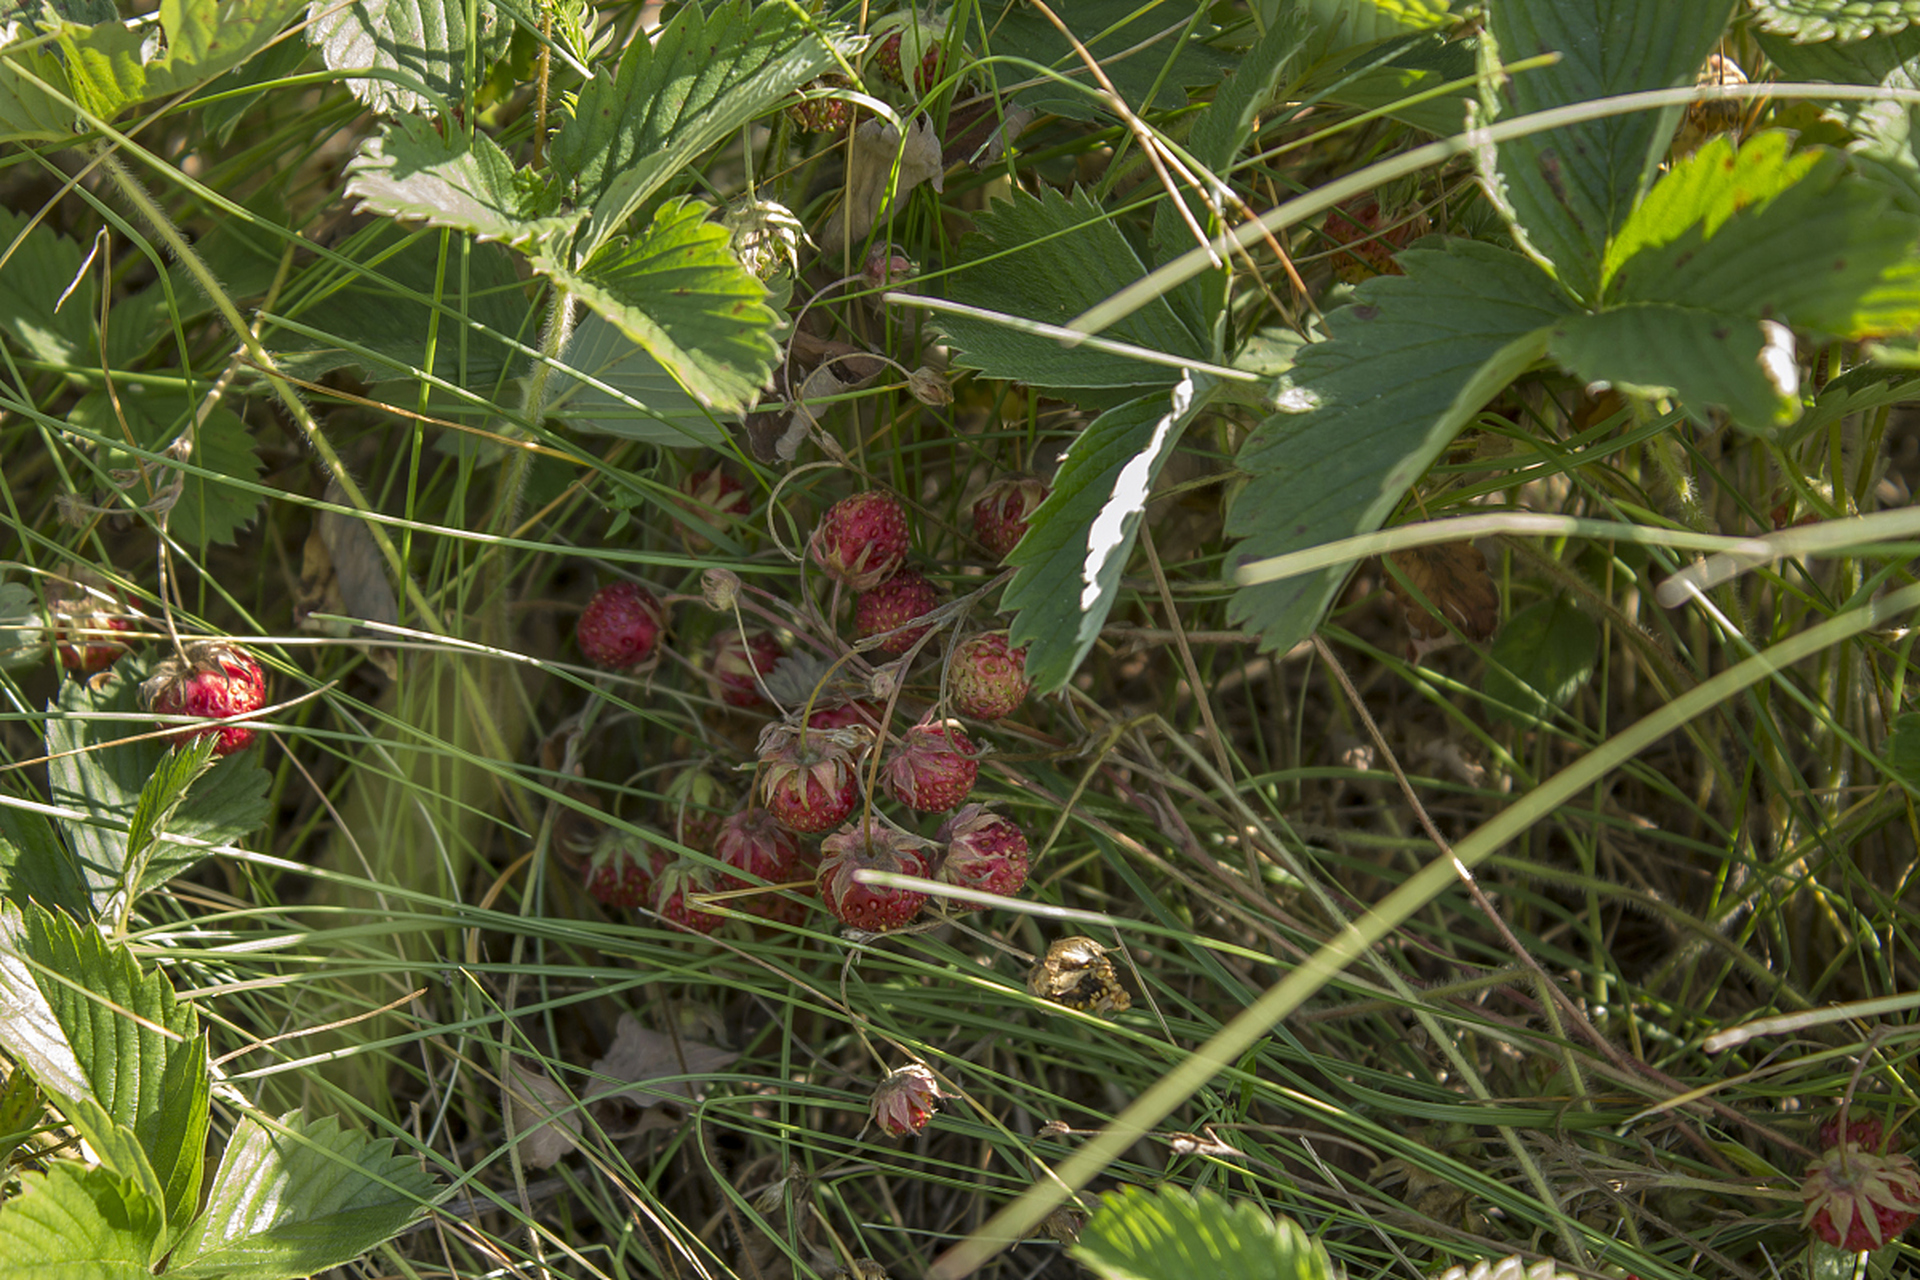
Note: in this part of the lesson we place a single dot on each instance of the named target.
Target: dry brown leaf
(342, 572)
(640, 1055)
(541, 1113)
(870, 155)
(1453, 578)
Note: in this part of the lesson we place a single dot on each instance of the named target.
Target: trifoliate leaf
(424, 42)
(1367, 411)
(1539, 661)
(295, 1197)
(678, 291)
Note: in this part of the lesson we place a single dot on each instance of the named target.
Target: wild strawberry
(861, 540)
(905, 1100)
(83, 634)
(988, 678)
(932, 769)
(889, 607)
(733, 665)
(984, 851)
(871, 845)
(821, 114)
(214, 681)
(1000, 514)
(1856, 1199)
(693, 806)
(886, 267)
(620, 871)
(713, 498)
(810, 778)
(1863, 1127)
(1367, 239)
(672, 882)
(620, 626)
(910, 38)
(751, 841)
(846, 715)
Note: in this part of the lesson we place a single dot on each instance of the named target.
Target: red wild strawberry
(910, 38)
(988, 678)
(861, 540)
(620, 871)
(712, 498)
(620, 626)
(214, 681)
(871, 845)
(83, 634)
(1000, 514)
(809, 780)
(886, 267)
(733, 665)
(1368, 238)
(751, 842)
(821, 114)
(889, 607)
(984, 851)
(933, 768)
(846, 716)
(1857, 1199)
(1863, 1127)
(905, 1100)
(672, 882)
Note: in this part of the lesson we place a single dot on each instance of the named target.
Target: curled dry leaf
(539, 1111)
(1454, 580)
(1075, 972)
(870, 156)
(640, 1054)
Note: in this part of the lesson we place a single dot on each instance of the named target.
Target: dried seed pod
(1075, 972)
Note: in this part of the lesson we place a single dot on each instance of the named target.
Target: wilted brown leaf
(870, 155)
(342, 572)
(640, 1054)
(1454, 580)
(541, 1113)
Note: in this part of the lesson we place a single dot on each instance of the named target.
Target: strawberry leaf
(206, 510)
(105, 783)
(1079, 539)
(411, 171)
(1150, 57)
(1752, 233)
(35, 866)
(1539, 661)
(1048, 258)
(621, 390)
(1566, 192)
(423, 43)
(69, 1222)
(293, 1198)
(124, 1057)
(36, 309)
(1403, 369)
(679, 292)
(701, 80)
(1703, 357)
(1811, 21)
(1172, 1234)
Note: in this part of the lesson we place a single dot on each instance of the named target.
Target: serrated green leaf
(106, 782)
(293, 1198)
(1048, 258)
(381, 313)
(1567, 191)
(678, 291)
(117, 1146)
(630, 393)
(1703, 357)
(1887, 129)
(1415, 64)
(36, 867)
(425, 42)
(1810, 21)
(205, 511)
(1174, 1234)
(411, 171)
(1404, 368)
(1144, 50)
(674, 96)
(94, 1029)
(1539, 661)
(23, 629)
(72, 1223)
(162, 795)
(111, 65)
(1755, 232)
(1079, 539)
(40, 266)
